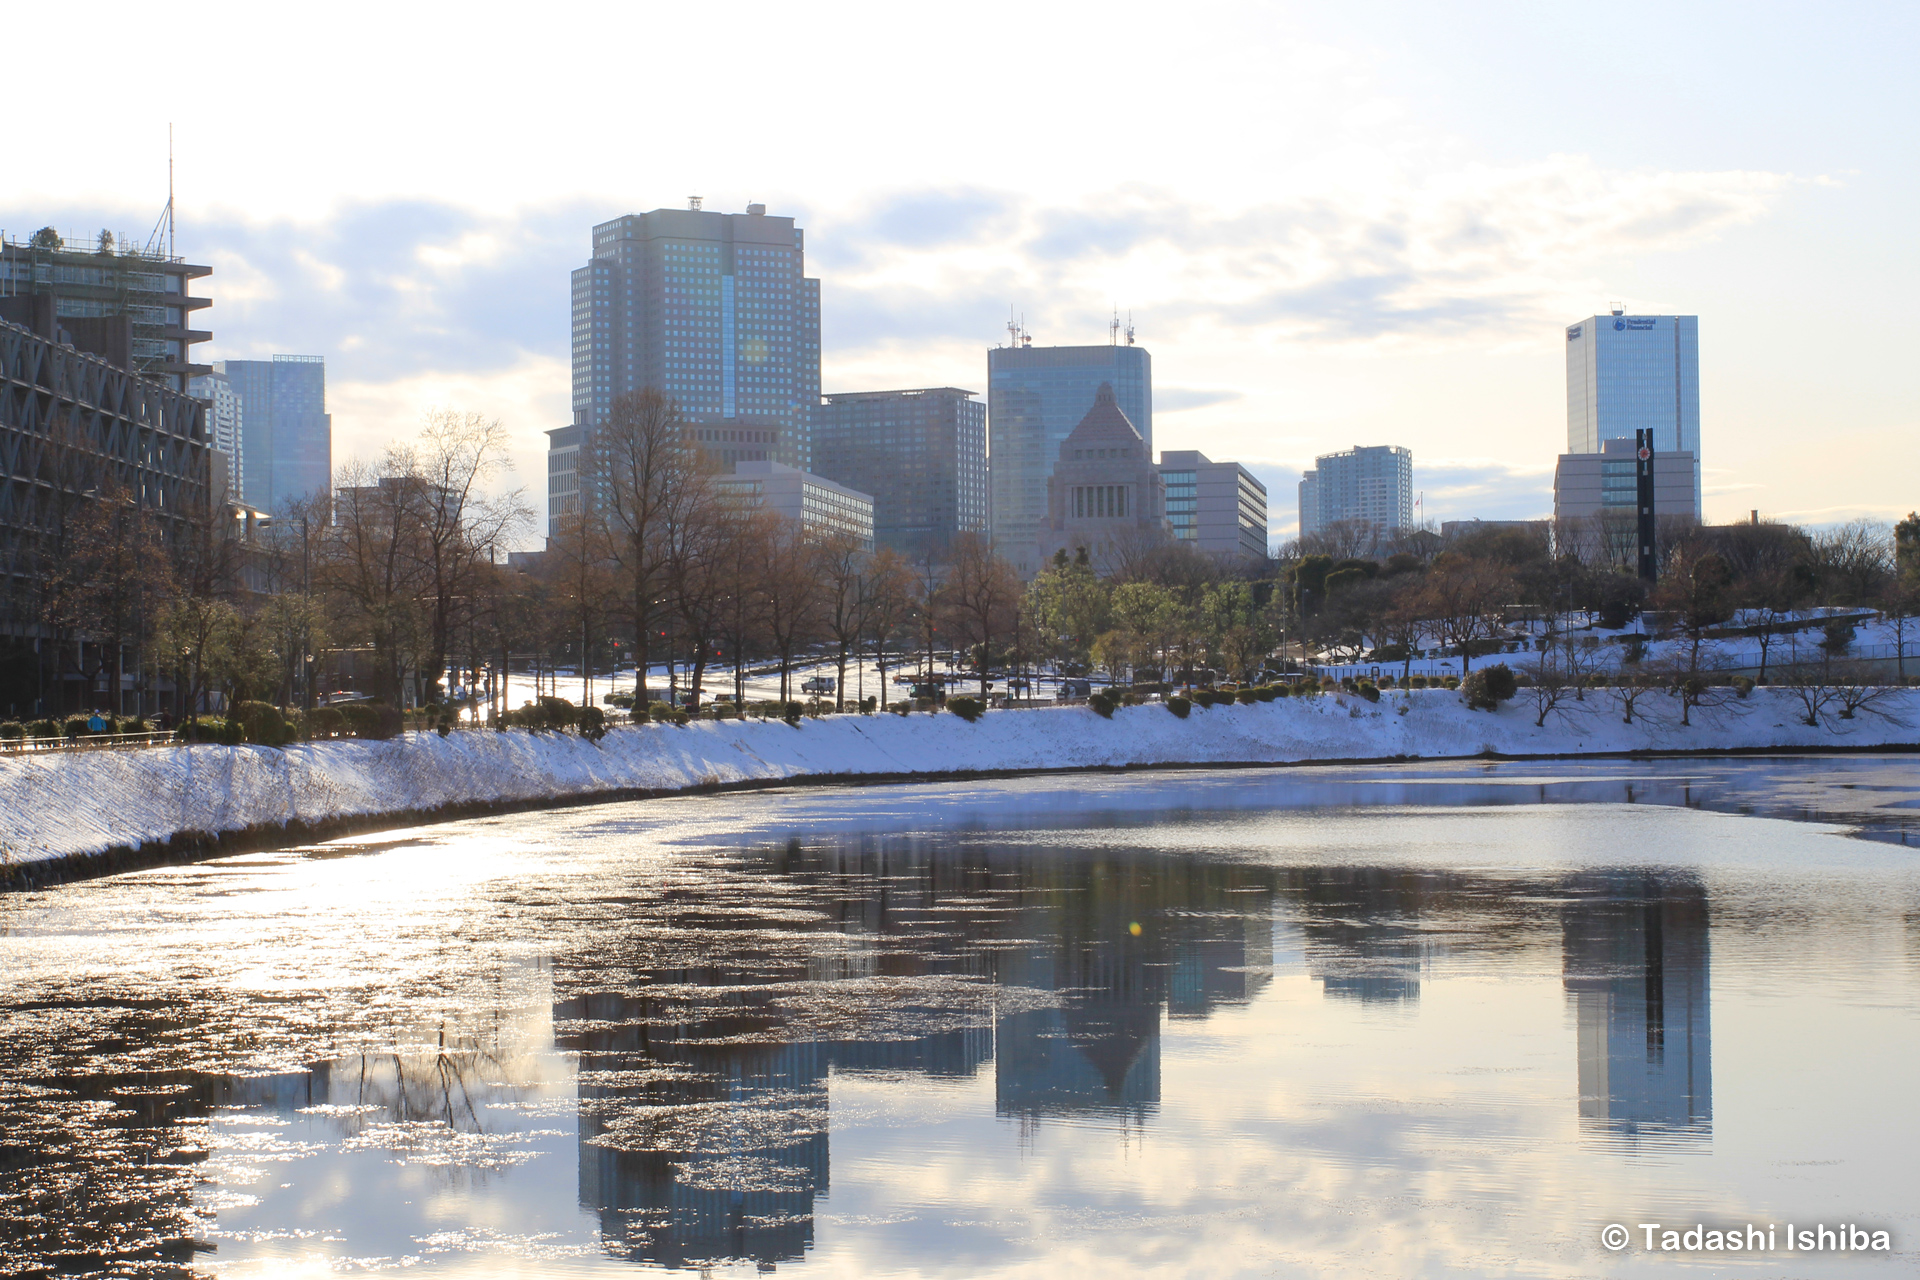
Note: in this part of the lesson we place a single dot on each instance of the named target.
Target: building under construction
(95, 353)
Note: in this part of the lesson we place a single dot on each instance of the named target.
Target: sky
(1331, 224)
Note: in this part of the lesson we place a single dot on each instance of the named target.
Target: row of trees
(399, 579)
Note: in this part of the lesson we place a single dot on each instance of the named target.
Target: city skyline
(1398, 262)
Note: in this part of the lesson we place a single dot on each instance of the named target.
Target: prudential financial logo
(1619, 325)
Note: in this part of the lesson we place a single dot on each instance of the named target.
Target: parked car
(1076, 689)
(820, 685)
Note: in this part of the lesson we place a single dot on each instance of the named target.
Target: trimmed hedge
(1102, 705)
(592, 723)
(261, 723)
(968, 709)
(1182, 707)
(373, 720)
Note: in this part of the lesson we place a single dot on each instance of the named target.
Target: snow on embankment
(62, 805)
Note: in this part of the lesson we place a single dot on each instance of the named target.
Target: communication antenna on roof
(154, 241)
(693, 203)
(1113, 329)
(1017, 335)
(1129, 328)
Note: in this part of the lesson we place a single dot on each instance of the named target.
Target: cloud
(417, 301)
(1175, 399)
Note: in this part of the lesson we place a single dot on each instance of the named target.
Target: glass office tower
(715, 310)
(286, 433)
(1630, 373)
(921, 453)
(1036, 396)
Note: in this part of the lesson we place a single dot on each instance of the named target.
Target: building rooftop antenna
(693, 203)
(154, 241)
(1113, 329)
(1129, 328)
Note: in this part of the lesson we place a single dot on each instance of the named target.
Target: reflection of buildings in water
(694, 1152)
(704, 1109)
(1203, 944)
(1361, 929)
(1636, 965)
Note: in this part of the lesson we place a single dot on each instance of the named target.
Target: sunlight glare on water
(1361, 1022)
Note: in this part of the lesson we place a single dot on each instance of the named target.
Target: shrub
(901, 708)
(1418, 682)
(868, 703)
(261, 723)
(1450, 682)
(968, 709)
(660, 712)
(325, 722)
(43, 730)
(75, 727)
(210, 729)
(1742, 686)
(622, 700)
(1838, 635)
(1368, 690)
(792, 711)
(558, 713)
(12, 731)
(1246, 697)
(1102, 704)
(1268, 692)
(1488, 687)
(373, 720)
(1182, 707)
(592, 723)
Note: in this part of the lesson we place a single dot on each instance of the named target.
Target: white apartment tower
(1373, 483)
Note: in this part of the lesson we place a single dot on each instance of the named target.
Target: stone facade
(1105, 492)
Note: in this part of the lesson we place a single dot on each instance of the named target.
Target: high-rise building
(815, 503)
(1219, 507)
(563, 476)
(286, 433)
(1036, 396)
(713, 309)
(1633, 373)
(921, 454)
(1373, 483)
(225, 413)
(129, 304)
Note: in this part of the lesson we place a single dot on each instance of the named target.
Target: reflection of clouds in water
(1332, 1029)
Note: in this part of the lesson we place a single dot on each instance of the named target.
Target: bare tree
(889, 594)
(790, 596)
(841, 566)
(1461, 598)
(979, 597)
(1630, 688)
(634, 466)
(456, 455)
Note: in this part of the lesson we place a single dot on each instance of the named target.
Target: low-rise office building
(1218, 507)
(1607, 482)
(817, 504)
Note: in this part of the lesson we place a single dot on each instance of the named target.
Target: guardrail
(86, 742)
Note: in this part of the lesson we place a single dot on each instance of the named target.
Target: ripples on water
(1377, 1022)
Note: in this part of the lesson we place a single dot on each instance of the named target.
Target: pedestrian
(96, 723)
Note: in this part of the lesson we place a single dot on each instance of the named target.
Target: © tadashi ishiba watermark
(1819, 1237)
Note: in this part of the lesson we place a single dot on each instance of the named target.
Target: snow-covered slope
(63, 804)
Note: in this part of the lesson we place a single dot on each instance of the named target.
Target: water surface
(1427, 1019)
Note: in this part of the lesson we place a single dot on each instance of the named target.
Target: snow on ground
(58, 804)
